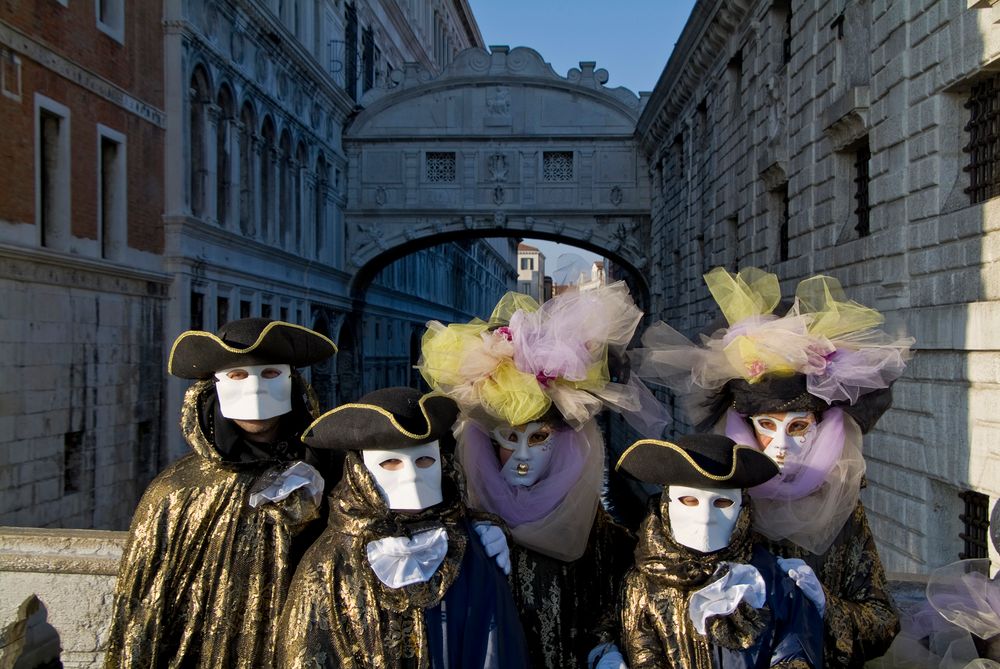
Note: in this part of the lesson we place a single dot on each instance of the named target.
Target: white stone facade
(762, 117)
(531, 272)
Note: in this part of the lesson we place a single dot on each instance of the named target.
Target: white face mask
(254, 392)
(791, 435)
(528, 450)
(408, 478)
(703, 518)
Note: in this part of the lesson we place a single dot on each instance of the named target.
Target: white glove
(606, 656)
(721, 597)
(495, 543)
(806, 579)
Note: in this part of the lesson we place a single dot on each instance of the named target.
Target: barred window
(976, 523)
(557, 165)
(984, 140)
(862, 157)
(441, 166)
(780, 199)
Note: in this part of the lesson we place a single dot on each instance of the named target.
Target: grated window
(557, 165)
(984, 140)
(441, 166)
(862, 157)
(976, 523)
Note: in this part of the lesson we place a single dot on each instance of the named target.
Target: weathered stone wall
(733, 127)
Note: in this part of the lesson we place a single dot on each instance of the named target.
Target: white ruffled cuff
(299, 475)
(721, 597)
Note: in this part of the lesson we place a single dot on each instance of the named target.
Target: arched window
(298, 195)
(319, 206)
(285, 203)
(223, 156)
(268, 156)
(200, 98)
(248, 124)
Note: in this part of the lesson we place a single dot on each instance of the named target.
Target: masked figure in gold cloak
(212, 545)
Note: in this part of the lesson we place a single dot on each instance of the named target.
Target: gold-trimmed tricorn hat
(697, 461)
(197, 354)
(387, 418)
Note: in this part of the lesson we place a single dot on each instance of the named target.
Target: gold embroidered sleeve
(641, 645)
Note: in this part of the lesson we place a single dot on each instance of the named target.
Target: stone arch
(497, 145)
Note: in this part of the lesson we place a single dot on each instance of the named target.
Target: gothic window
(111, 192)
(223, 164)
(367, 59)
(440, 166)
(267, 177)
(984, 140)
(557, 165)
(201, 97)
(52, 157)
(286, 211)
(246, 159)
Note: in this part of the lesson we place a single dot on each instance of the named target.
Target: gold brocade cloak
(567, 608)
(204, 575)
(657, 632)
(860, 621)
(339, 615)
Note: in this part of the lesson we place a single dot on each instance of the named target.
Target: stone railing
(55, 595)
(56, 589)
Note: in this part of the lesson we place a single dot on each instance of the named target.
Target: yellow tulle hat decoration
(446, 352)
(513, 395)
(510, 303)
(833, 314)
(751, 292)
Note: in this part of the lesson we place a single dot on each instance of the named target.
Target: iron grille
(440, 166)
(557, 165)
(783, 225)
(976, 522)
(984, 140)
(861, 160)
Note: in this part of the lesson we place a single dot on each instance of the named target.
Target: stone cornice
(63, 262)
(468, 20)
(90, 552)
(521, 65)
(702, 43)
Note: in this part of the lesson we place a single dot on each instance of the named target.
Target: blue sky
(631, 39)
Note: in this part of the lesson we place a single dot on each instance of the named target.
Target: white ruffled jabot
(402, 561)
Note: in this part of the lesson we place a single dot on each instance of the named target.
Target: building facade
(176, 165)
(82, 286)
(852, 138)
(531, 272)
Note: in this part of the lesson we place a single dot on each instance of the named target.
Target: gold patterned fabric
(860, 621)
(339, 615)
(567, 608)
(656, 628)
(204, 575)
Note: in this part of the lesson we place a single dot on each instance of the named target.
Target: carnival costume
(703, 595)
(826, 357)
(387, 589)
(211, 547)
(530, 380)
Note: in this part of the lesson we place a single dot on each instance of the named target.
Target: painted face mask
(408, 478)
(703, 518)
(254, 392)
(525, 452)
(786, 438)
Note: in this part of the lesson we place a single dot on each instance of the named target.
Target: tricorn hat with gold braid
(697, 461)
(387, 418)
(197, 354)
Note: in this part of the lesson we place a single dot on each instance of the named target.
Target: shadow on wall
(30, 642)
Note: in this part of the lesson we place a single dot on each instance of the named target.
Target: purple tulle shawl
(518, 504)
(822, 456)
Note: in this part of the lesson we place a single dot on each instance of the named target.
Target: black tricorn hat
(697, 461)
(197, 354)
(388, 418)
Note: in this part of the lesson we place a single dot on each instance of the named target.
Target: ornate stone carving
(498, 195)
(498, 167)
(381, 196)
(499, 219)
(498, 101)
(616, 195)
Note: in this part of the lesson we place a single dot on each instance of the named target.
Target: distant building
(531, 271)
